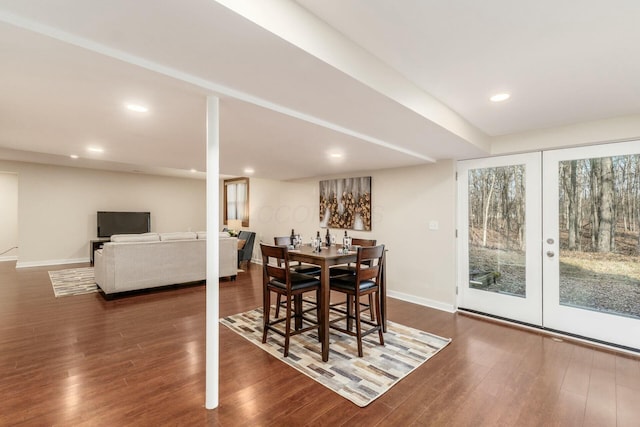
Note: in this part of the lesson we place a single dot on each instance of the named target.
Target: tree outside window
(236, 200)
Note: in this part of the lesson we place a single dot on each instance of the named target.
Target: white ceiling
(384, 85)
(564, 61)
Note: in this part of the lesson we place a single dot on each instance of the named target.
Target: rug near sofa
(358, 379)
(73, 281)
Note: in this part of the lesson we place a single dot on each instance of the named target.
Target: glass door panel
(499, 236)
(497, 240)
(592, 242)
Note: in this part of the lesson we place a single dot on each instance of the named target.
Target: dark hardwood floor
(139, 360)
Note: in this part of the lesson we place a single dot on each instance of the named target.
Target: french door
(499, 229)
(553, 239)
(591, 246)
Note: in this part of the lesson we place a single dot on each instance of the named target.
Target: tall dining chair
(312, 270)
(277, 277)
(365, 281)
(351, 269)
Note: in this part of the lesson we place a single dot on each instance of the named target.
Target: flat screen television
(110, 223)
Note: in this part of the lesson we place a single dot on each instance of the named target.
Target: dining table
(329, 256)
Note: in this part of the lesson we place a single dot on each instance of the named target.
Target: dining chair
(351, 269)
(365, 281)
(277, 277)
(312, 270)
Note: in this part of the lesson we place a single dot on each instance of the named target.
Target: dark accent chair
(366, 281)
(277, 277)
(311, 270)
(246, 252)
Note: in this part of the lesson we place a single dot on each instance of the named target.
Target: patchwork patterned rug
(73, 281)
(358, 379)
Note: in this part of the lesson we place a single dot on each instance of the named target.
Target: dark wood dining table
(326, 258)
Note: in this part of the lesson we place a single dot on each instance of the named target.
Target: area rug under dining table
(358, 379)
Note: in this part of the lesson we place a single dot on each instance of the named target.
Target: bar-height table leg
(383, 291)
(325, 301)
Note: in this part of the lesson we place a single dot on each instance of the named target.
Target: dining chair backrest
(278, 270)
(369, 262)
(282, 241)
(363, 242)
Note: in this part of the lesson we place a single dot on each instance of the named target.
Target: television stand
(96, 244)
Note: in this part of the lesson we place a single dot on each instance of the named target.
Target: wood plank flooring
(140, 360)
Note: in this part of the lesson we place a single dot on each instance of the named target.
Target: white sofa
(140, 261)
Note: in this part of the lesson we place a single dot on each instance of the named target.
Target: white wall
(57, 207)
(8, 216)
(420, 262)
(587, 133)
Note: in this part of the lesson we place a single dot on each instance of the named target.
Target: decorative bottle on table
(318, 241)
(346, 241)
(293, 238)
(327, 239)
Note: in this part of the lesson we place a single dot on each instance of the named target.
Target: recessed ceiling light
(137, 108)
(95, 149)
(336, 155)
(193, 171)
(499, 97)
(249, 170)
(74, 156)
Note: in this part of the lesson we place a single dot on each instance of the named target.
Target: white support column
(213, 293)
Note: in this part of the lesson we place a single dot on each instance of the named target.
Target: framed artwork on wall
(346, 203)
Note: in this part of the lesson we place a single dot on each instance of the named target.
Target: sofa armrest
(228, 257)
(101, 270)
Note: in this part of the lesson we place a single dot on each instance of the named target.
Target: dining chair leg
(358, 329)
(371, 307)
(287, 327)
(350, 304)
(266, 310)
(297, 305)
(318, 312)
(278, 302)
(379, 318)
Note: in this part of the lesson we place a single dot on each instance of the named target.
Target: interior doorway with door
(570, 215)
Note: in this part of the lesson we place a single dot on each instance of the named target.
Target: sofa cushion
(179, 235)
(144, 237)
(202, 235)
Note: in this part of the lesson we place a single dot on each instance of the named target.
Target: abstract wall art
(346, 203)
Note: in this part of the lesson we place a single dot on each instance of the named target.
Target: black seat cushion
(348, 282)
(298, 281)
(311, 270)
(342, 270)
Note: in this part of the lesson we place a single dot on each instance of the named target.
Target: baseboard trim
(27, 264)
(438, 305)
(426, 302)
(8, 258)
(562, 336)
